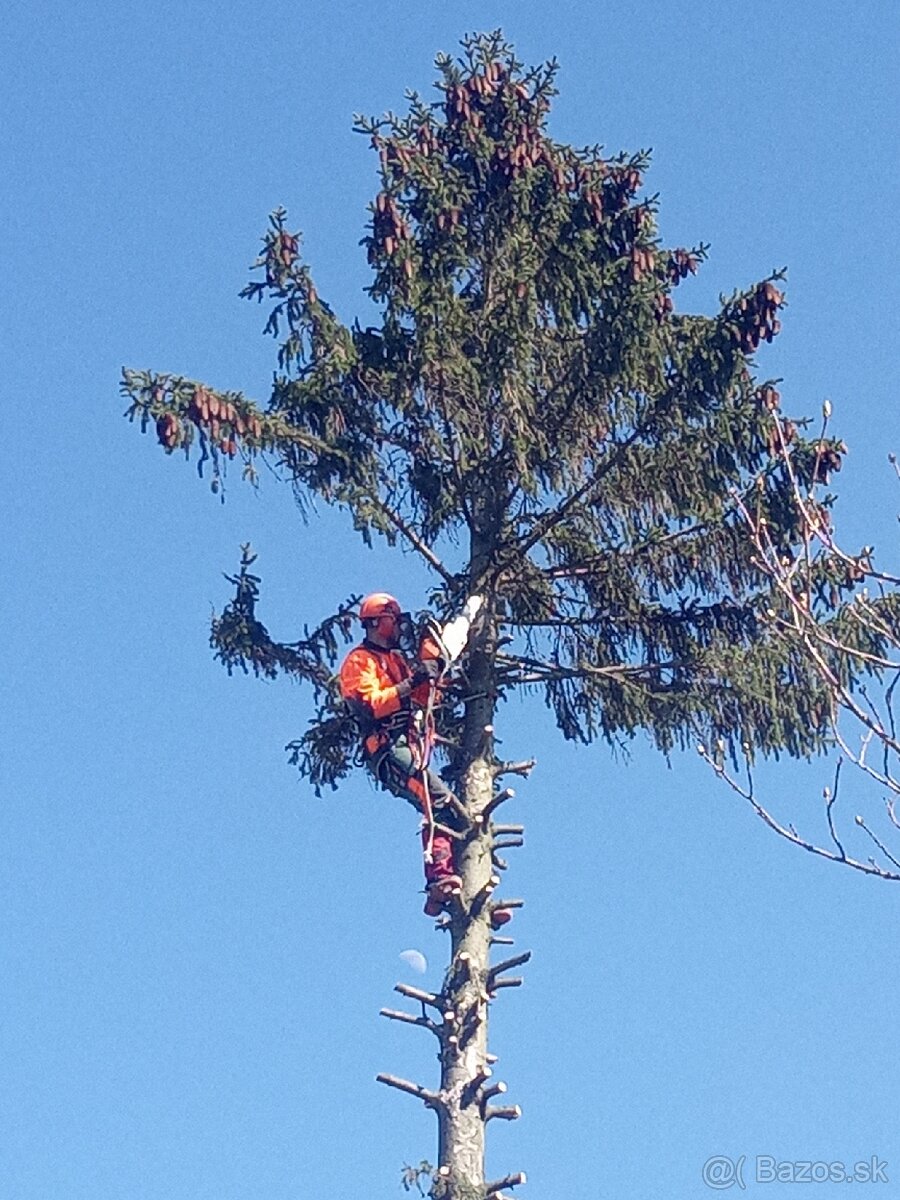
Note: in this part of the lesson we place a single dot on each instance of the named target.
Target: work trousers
(395, 769)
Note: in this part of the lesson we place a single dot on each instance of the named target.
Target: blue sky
(194, 949)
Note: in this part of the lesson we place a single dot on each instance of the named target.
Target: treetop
(536, 418)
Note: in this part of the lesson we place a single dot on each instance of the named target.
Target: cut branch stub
(410, 1019)
(508, 982)
(414, 993)
(429, 1098)
(496, 801)
(512, 843)
(510, 1112)
(508, 1181)
(472, 1091)
(482, 898)
(523, 768)
(507, 964)
(495, 1089)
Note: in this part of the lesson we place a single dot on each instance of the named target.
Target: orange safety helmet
(379, 604)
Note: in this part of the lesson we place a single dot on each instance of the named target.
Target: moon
(416, 960)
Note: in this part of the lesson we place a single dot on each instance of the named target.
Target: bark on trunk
(464, 1061)
(465, 1069)
(459, 1013)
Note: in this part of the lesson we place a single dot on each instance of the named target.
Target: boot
(439, 893)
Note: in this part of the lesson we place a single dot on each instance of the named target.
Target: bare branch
(483, 896)
(517, 960)
(450, 833)
(495, 1089)
(865, 638)
(473, 1087)
(502, 1113)
(430, 1099)
(495, 802)
(881, 846)
(511, 981)
(508, 1181)
(414, 993)
(830, 798)
(394, 1014)
(787, 832)
(509, 843)
(523, 768)
(414, 540)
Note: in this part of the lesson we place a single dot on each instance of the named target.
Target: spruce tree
(536, 420)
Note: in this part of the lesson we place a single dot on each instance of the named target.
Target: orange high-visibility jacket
(369, 676)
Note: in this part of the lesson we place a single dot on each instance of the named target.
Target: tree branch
(512, 843)
(414, 993)
(414, 540)
(523, 768)
(543, 527)
(788, 832)
(428, 1098)
(471, 1090)
(483, 895)
(517, 960)
(502, 1113)
(495, 1089)
(495, 802)
(508, 1181)
(830, 798)
(394, 1014)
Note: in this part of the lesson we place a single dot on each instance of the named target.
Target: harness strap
(419, 727)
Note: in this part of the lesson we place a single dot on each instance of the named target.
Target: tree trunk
(466, 1088)
(464, 1061)
(461, 1025)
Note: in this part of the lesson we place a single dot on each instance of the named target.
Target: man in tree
(393, 705)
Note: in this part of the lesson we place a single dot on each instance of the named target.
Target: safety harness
(416, 723)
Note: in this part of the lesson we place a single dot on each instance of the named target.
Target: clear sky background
(193, 948)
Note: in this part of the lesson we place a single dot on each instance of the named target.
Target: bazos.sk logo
(721, 1172)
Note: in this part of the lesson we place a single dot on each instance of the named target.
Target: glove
(426, 672)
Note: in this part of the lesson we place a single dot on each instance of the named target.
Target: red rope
(424, 746)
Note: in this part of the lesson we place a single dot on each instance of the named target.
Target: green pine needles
(535, 417)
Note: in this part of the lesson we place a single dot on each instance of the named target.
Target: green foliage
(239, 640)
(533, 392)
